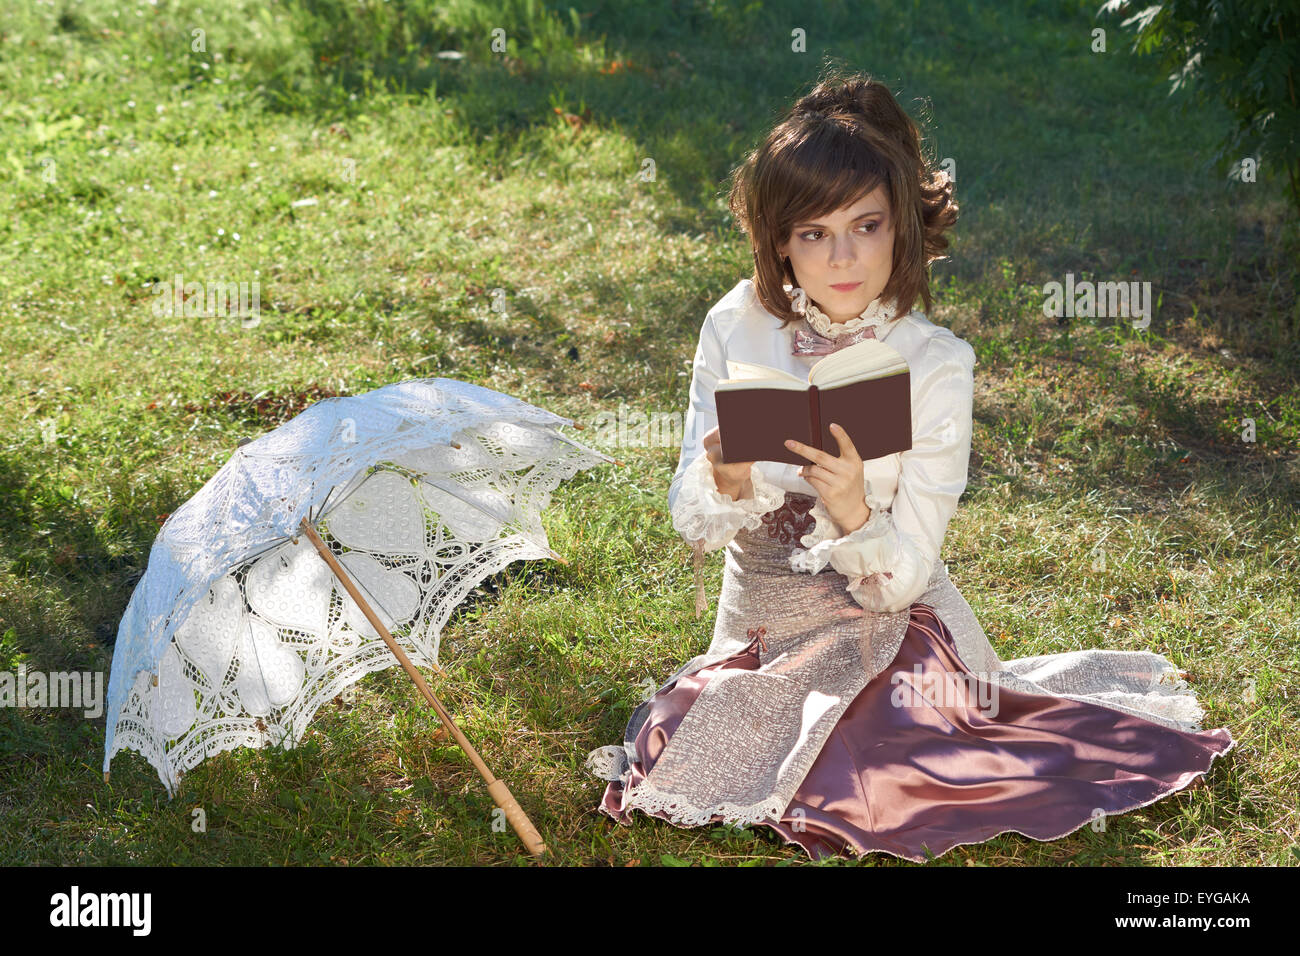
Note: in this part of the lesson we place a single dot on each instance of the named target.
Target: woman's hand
(839, 481)
(731, 479)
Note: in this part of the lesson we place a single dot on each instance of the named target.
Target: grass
(1112, 501)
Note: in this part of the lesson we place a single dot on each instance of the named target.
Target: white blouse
(912, 494)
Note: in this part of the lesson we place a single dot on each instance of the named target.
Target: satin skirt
(928, 757)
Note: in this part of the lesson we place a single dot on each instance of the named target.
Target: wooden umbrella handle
(515, 815)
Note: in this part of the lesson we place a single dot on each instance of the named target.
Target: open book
(866, 388)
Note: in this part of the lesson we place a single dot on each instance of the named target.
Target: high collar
(882, 315)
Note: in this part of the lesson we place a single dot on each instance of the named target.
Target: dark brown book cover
(754, 423)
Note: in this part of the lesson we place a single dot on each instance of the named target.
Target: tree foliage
(1242, 53)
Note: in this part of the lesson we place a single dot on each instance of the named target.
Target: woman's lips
(846, 286)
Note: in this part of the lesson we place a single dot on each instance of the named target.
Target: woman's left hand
(839, 481)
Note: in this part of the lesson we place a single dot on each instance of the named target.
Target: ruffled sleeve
(701, 514)
(888, 561)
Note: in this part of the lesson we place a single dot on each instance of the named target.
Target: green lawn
(134, 149)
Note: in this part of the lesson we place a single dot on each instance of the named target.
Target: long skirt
(929, 756)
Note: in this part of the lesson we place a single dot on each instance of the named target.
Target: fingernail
(789, 444)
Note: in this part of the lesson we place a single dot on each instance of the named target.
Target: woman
(859, 707)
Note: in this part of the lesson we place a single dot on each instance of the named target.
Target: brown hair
(837, 144)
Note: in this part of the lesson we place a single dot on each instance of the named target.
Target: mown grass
(1112, 502)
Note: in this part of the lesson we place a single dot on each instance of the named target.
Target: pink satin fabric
(809, 342)
(946, 769)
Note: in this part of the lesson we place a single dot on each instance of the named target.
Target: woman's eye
(874, 226)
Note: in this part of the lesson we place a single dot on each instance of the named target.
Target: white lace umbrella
(281, 581)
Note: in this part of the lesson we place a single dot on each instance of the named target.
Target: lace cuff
(871, 549)
(702, 513)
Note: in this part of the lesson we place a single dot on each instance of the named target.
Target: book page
(750, 374)
(855, 363)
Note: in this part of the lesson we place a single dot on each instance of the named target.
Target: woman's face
(852, 244)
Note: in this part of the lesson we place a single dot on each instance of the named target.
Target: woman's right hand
(733, 478)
